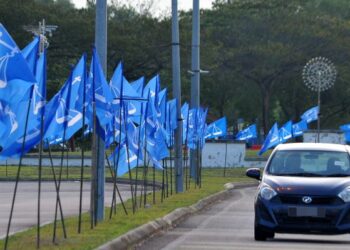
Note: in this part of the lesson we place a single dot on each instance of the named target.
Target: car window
(309, 163)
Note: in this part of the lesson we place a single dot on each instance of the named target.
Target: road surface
(25, 213)
(230, 225)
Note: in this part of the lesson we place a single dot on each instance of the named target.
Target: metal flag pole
(41, 31)
(82, 153)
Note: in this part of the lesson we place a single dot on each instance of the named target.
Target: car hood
(307, 185)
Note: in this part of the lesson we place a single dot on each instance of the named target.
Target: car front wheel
(261, 234)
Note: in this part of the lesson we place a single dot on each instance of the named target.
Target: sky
(159, 6)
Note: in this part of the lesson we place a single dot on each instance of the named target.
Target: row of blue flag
(137, 117)
(289, 130)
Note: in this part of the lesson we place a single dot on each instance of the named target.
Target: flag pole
(18, 173)
(82, 152)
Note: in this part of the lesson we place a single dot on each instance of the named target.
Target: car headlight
(345, 194)
(267, 193)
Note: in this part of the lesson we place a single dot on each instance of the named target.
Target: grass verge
(212, 182)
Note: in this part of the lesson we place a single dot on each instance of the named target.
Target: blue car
(304, 189)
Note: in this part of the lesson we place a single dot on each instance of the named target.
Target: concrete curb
(141, 233)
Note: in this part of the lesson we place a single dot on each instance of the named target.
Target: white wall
(214, 154)
(325, 136)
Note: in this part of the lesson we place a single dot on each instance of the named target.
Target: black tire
(261, 234)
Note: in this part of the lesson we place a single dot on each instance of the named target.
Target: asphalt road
(229, 225)
(25, 212)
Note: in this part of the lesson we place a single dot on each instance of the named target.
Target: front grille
(297, 200)
(306, 221)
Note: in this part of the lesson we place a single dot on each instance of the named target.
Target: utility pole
(195, 81)
(98, 145)
(177, 95)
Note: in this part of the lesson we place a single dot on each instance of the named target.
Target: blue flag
(247, 133)
(138, 85)
(310, 114)
(124, 159)
(346, 129)
(102, 94)
(184, 117)
(217, 128)
(299, 128)
(64, 112)
(13, 146)
(16, 78)
(30, 53)
(162, 100)
(272, 139)
(285, 132)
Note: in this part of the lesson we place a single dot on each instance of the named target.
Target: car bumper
(277, 218)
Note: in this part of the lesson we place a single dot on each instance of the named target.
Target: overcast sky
(159, 6)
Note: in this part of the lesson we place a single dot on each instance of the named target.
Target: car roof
(313, 146)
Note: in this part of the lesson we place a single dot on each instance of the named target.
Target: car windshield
(309, 163)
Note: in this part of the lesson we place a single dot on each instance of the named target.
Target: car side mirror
(253, 173)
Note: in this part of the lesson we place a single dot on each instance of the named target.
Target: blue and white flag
(247, 133)
(64, 115)
(184, 117)
(16, 78)
(13, 146)
(124, 158)
(272, 139)
(285, 132)
(299, 128)
(102, 94)
(310, 114)
(217, 128)
(31, 52)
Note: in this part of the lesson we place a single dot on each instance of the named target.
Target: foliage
(254, 49)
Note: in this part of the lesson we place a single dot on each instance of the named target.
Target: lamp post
(319, 74)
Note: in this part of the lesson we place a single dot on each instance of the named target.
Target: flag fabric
(64, 112)
(272, 139)
(202, 126)
(285, 132)
(124, 158)
(102, 94)
(247, 133)
(310, 114)
(14, 142)
(16, 78)
(217, 128)
(138, 85)
(192, 128)
(171, 121)
(346, 129)
(299, 128)
(184, 117)
(31, 52)
(162, 101)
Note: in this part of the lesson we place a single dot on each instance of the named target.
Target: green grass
(249, 153)
(212, 182)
